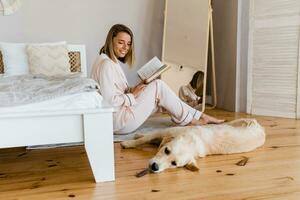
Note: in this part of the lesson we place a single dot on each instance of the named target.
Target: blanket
(25, 89)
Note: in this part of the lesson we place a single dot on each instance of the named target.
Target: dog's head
(174, 152)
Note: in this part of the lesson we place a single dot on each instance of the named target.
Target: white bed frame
(94, 127)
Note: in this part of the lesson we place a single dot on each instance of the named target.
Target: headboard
(77, 59)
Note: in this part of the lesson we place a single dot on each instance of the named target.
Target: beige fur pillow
(50, 60)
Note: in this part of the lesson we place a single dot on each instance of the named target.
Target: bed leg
(98, 141)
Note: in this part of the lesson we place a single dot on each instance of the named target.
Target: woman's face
(121, 44)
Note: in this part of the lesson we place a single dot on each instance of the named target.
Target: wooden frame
(94, 127)
(81, 49)
(213, 63)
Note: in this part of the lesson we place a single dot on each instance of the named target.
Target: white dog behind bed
(180, 146)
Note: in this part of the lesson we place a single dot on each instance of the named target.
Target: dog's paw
(127, 144)
(138, 135)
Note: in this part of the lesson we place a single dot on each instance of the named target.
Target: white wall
(87, 22)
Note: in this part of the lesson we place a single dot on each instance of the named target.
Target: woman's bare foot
(211, 120)
(206, 119)
(199, 122)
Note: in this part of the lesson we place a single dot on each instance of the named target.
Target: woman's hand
(138, 89)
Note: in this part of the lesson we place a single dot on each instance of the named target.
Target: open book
(152, 69)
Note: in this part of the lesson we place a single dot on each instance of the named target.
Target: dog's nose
(154, 167)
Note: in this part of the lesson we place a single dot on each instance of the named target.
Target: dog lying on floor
(180, 146)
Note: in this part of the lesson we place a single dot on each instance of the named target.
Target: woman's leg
(180, 112)
(141, 111)
(156, 94)
(178, 109)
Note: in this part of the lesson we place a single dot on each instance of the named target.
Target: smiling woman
(8, 7)
(133, 105)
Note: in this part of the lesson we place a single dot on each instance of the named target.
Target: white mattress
(85, 100)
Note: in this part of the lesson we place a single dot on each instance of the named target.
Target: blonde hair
(108, 46)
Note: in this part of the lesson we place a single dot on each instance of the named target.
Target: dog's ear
(165, 140)
(192, 165)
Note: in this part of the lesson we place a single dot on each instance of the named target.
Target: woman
(132, 106)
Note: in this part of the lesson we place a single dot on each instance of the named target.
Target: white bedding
(84, 100)
(26, 89)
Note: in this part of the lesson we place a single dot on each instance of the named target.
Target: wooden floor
(272, 172)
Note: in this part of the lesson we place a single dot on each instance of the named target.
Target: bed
(91, 125)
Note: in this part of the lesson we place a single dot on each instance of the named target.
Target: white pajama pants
(158, 94)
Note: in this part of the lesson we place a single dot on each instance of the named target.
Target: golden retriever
(180, 146)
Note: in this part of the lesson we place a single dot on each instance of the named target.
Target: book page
(149, 68)
(157, 73)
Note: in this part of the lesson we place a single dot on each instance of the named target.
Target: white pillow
(49, 43)
(14, 58)
(50, 60)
